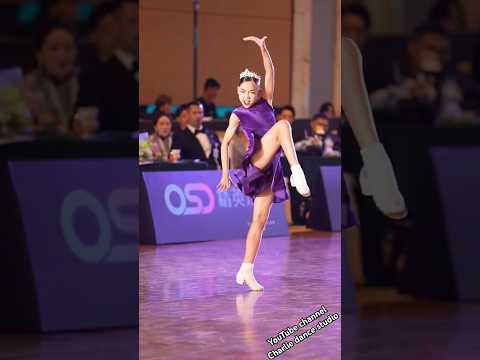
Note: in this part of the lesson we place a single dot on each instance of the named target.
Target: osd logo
(110, 219)
(189, 203)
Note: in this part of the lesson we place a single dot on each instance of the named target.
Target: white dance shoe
(245, 275)
(298, 181)
(377, 179)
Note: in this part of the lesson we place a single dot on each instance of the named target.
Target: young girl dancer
(261, 174)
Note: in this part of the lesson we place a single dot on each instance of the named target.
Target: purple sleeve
(237, 112)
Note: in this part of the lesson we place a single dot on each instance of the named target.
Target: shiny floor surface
(191, 307)
(396, 327)
(118, 344)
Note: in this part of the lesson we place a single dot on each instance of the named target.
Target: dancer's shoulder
(238, 110)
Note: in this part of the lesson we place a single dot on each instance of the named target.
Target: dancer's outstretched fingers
(256, 40)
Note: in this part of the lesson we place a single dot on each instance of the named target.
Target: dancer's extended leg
(280, 135)
(261, 210)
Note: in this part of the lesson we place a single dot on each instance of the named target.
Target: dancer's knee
(259, 220)
(284, 125)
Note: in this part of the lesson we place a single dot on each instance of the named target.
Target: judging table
(324, 178)
(185, 206)
(438, 174)
(179, 202)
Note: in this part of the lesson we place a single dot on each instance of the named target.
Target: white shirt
(127, 60)
(203, 140)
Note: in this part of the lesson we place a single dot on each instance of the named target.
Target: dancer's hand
(377, 179)
(224, 183)
(256, 40)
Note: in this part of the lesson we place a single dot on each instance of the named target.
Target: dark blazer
(114, 90)
(191, 148)
(209, 109)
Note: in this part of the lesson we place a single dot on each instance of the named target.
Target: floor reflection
(189, 298)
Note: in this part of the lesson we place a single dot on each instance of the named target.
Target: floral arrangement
(144, 150)
(14, 118)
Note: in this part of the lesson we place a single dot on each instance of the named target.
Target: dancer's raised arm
(268, 65)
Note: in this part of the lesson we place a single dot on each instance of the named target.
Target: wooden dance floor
(191, 307)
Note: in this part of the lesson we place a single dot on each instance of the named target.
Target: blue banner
(458, 178)
(80, 221)
(185, 206)
(331, 176)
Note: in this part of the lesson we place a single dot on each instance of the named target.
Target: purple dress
(255, 122)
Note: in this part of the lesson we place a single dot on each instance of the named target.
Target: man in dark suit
(196, 142)
(113, 86)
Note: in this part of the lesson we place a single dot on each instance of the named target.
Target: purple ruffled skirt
(253, 181)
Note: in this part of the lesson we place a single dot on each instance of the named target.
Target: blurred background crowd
(165, 130)
(76, 65)
(421, 61)
(429, 74)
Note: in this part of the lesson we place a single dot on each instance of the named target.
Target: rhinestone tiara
(248, 73)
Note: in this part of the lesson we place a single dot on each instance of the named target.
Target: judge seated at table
(181, 118)
(161, 140)
(51, 89)
(319, 141)
(197, 142)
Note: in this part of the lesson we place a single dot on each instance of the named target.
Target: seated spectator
(161, 140)
(450, 15)
(210, 92)
(327, 109)
(196, 142)
(336, 144)
(164, 103)
(113, 86)
(181, 118)
(287, 112)
(102, 36)
(356, 23)
(422, 80)
(319, 141)
(52, 87)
